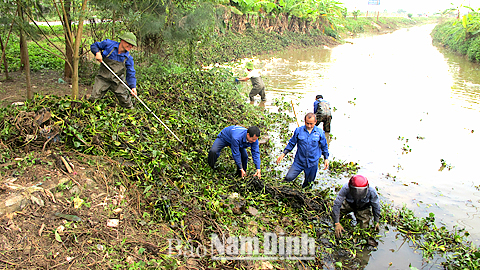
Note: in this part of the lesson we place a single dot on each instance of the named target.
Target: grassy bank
(231, 46)
(453, 35)
(354, 26)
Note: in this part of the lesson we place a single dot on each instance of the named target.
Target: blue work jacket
(106, 47)
(370, 200)
(236, 136)
(310, 146)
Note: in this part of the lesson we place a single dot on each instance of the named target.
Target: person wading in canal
(116, 55)
(238, 139)
(321, 108)
(258, 87)
(358, 197)
(311, 145)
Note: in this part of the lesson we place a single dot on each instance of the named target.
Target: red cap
(358, 181)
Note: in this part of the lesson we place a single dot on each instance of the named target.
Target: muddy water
(402, 105)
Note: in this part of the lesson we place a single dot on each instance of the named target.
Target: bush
(473, 52)
(454, 37)
(41, 59)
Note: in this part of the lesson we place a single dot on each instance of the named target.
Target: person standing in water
(258, 87)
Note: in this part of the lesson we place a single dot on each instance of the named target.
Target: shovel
(141, 101)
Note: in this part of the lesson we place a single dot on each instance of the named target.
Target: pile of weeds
(174, 182)
(424, 234)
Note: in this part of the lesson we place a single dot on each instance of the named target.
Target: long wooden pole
(293, 107)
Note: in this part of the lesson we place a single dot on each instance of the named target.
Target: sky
(411, 6)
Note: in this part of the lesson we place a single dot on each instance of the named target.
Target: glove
(338, 229)
(236, 80)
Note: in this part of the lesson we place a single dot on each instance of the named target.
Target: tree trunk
(24, 54)
(113, 23)
(4, 48)
(4, 60)
(68, 73)
(23, 57)
(76, 49)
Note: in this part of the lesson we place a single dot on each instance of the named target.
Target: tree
(68, 72)
(8, 14)
(73, 36)
(3, 47)
(24, 49)
(355, 13)
(76, 50)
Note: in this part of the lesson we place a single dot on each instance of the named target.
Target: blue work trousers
(217, 147)
(295, 170)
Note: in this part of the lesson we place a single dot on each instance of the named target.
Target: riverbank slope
(459, 37)
(232, 46)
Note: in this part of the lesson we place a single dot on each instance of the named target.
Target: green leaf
(147, 189)
(57, 237)
(236, 11)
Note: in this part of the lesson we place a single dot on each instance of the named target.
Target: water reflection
(402, 106)
(466, 88)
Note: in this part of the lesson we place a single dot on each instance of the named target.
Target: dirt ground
(45, 82)
(64, 210)
(72, 220)
(68, 210)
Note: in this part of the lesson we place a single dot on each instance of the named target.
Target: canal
(403, 107)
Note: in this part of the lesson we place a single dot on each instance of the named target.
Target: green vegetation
(232, 46)
(461, 35)
(370, 24)
(40, 59)
(425, 235)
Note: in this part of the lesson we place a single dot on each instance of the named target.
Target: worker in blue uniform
(238, 139)
(311, 145)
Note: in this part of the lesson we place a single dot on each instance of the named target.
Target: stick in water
(293, 107)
